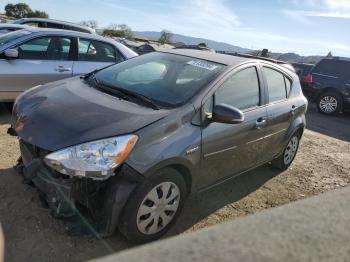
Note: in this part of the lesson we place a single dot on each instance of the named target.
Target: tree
(121, 30)
(19, 10)
(165, 37)
(22, 10)
(329, 54)
(90, 23)
(38, 14)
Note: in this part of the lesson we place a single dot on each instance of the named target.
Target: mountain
(189, 40)
(292, 57)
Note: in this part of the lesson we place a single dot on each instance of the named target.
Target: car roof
(43, 31)
(34, 19)
(209, 56)
(6, 25)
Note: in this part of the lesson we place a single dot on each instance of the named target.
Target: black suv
(329, 85)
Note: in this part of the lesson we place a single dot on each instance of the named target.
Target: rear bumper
(311, 91)
(65, 195)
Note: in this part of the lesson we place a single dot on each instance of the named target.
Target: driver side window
(241, 90)
(45, 48)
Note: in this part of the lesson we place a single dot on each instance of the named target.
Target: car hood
(70, 112)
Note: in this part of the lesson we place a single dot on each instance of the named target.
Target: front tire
(154, 207)
(329, 103)
(289, 153)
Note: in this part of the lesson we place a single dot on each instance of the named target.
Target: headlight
(96, 159)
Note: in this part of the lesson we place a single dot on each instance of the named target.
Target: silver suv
(35, 56)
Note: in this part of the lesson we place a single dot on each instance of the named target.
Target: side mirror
(227, 114)
(11, 54)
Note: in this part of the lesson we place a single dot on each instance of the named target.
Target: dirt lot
(322, 164)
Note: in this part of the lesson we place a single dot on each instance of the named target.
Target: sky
(306, 27)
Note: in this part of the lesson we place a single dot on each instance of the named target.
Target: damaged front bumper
(66, 195)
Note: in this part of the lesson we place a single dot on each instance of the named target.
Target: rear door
(41, 60)
(93, 54)
(228, 149)
(280, 109)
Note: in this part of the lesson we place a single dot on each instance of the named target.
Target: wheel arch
(183, 166)
(330, 90)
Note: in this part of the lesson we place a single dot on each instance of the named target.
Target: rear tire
(329, 103)
(153, 207)
(287, 157)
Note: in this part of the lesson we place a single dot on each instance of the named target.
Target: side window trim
(226, 75)
(115, 50)
(70, 56)
(267, 87)
(261, 97)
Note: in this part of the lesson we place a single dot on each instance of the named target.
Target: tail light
(308, 79)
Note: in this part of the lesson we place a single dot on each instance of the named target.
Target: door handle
(293, 109)
(62, 69)
(260, 123)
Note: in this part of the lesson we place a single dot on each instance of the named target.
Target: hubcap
(328, 104)
(291, 150)
(158, 208)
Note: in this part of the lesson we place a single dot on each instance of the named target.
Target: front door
(40, 60)
(228, 149)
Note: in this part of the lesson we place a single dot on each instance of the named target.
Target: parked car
(7, 28)
(36, 56)
(302, 70)
(56, 24)
(131, 141)
(328, 84)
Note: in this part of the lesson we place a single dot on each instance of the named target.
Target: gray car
(131, 141)
(35, 56)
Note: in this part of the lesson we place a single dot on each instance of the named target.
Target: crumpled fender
(118, 191)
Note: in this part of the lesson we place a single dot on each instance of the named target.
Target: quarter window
(276, 84)
(45, 48)
(241, 90)
(96, 51)
(288, 85)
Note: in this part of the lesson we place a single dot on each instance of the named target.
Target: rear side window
(241, 90)
(279, 86)
(96, 51)
(288, 85)
(332, 67)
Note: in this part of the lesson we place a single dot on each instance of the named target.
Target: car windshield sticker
(202, 64)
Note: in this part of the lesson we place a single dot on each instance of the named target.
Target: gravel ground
(322, 164)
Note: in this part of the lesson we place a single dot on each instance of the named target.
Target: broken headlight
(97, 159)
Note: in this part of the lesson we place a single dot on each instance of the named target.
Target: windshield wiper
(125, 94)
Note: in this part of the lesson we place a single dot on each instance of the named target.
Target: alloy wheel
(328, 104)
(158, 208)
(291, 150)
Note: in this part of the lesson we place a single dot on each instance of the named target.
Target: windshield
(7, 38)
(167, 79)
